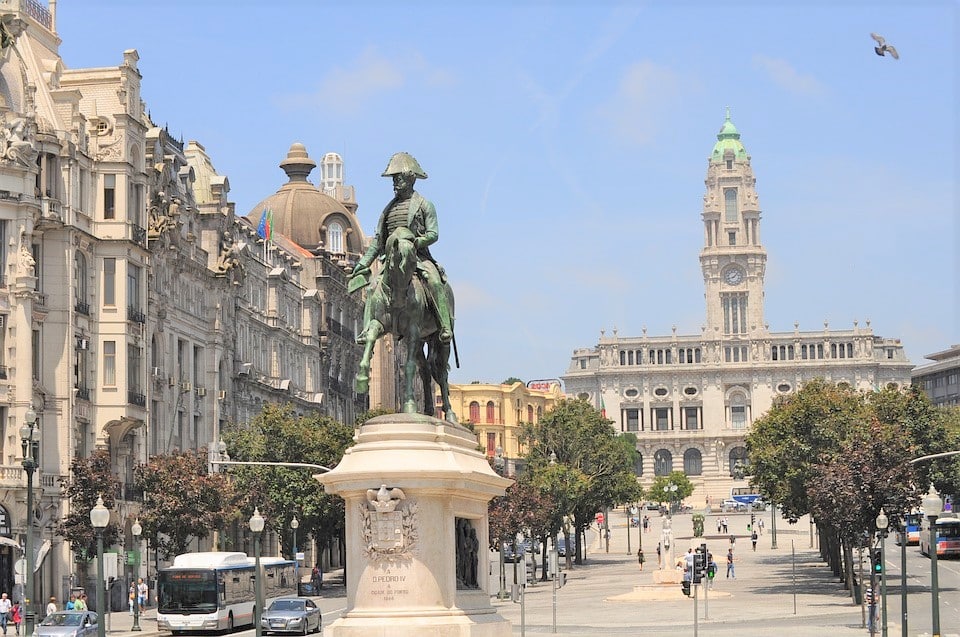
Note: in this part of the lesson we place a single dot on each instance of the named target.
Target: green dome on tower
(728, 138)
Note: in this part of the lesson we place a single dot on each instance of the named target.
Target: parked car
(68, 623)
(759, 505)
(291, 615)
(509, 555)
(564, 546)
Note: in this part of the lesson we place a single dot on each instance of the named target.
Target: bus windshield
(950, 531)
(186, 592)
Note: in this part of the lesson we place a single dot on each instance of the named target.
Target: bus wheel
(230, 623)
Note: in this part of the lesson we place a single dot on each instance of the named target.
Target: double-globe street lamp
(30, 440)
(932, 506)
(99, 518)
(135, 531)
(256, 526)
(882, 523)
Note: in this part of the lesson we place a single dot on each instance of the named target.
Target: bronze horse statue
(400, 304)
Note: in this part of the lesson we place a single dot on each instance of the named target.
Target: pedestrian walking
(719, 525)
(16, 616)
(131, 597)
(711, 569)
(753, 540)
(143, 593)
(52, 606)
(871, 601)
(760, 525)
(71, 603)
(5, 606)
(730, 570)
(640, 558)
(81, 603)
(646, 523)
(659, 557)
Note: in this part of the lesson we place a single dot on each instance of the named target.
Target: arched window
(737, 454)
(692, 462)
(335, 238)
(474, 412)
(662, 463)
(530, 413)
(491, 412)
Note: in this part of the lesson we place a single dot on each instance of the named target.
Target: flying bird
(882, 47)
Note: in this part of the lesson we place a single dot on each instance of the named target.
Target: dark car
(68, 623)
(509, 555)
(291, 615)
(565, 546)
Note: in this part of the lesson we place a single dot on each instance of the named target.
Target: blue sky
(566, 147)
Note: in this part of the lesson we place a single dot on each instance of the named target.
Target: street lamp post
(672, 489)
(135, 531)
(882, 523)
(932, 506)
(773, 525)
(295, 524)
(256, 526)
(498, 465)
(99, 518)
(903, 578)
(30, 440)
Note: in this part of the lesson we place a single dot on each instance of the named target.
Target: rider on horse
(410, 210)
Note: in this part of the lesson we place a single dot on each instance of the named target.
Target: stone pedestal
(416, 491)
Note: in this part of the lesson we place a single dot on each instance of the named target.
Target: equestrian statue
(410, 298)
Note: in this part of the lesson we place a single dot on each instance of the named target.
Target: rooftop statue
(410, 298)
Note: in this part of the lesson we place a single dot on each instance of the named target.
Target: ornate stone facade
(138, 313)
(690, 399)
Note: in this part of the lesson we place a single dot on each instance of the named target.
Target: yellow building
(496, 411)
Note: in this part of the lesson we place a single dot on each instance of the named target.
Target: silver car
(68, 623)
(291, 615)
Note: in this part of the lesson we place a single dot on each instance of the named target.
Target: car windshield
(287, 604)
(62, 619)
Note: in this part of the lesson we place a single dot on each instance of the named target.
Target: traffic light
(685, 585)
(699, 563)
(876, 561)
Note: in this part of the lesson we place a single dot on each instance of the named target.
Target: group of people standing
(137, 594)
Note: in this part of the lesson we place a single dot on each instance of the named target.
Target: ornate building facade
(138, 313)
(496, 412)
(690, 399)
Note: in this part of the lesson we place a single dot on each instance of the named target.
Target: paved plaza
(787, 590)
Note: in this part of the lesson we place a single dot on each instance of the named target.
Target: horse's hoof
(451, 418)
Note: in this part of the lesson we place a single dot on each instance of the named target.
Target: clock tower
(732, 259)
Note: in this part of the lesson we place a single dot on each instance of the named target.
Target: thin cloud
(371, 74)
(786, 77)
(645, 95)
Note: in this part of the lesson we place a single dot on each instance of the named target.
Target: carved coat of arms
(388, 522)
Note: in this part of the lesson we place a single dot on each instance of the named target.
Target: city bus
(217, 591)
(948, 537)
(746, 495)
(911, 524)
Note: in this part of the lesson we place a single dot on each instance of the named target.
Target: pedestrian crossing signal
(685, 585)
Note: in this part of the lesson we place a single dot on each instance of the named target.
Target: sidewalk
(120, 623)
(609, 595)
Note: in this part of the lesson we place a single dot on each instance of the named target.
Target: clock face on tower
(733, 275)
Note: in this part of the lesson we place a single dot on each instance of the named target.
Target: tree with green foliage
(841, 455)
(182, 500)
(660, 490)
(511, 381)
(89, 478)
(277, 435)
(576, 435)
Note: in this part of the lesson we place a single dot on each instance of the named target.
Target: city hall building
(690, 399)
